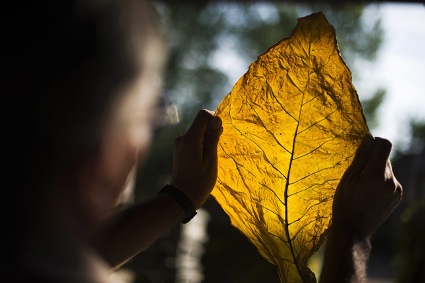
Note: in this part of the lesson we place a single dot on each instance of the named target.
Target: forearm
(346, 257)
(194, 174)
(134, 229)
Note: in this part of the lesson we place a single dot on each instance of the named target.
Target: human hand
(368, 191)
(195, 158)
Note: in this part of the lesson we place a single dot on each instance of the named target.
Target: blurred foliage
(401, 237)
(206, 43)
(416, 142)
(411, 255)
(370, 107)
(409, 166)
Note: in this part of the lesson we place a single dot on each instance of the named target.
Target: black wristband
(182, 200)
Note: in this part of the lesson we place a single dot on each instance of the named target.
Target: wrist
(349, 231)
(181, 199)
(194, 194)
(346, 255)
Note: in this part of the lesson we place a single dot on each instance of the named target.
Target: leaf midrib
(286, 192)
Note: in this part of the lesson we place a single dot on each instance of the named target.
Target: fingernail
(215, 123)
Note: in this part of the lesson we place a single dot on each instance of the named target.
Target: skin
(82, 208)
(367, 194)
(194, 173)
(196, 152)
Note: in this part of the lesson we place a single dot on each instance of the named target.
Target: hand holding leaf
(368, 192)
(366, 195)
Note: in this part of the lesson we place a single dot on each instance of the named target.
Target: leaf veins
(291, 124)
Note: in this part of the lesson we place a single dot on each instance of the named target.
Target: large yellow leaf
(291, 125)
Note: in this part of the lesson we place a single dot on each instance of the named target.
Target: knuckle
(188, 139)
(394, 187)
(390, 183)
(398, 190)
(211, 137)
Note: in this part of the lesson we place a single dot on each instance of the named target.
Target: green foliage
(409, 166)
(371, 106)
(411, 256)
(197, 32)
(417, 141)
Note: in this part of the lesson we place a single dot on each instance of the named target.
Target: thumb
(362, 157)
(379, 157)
(211, 137)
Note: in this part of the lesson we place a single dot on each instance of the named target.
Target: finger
(398, 192)
(212, 136)
(362, 156)
(380, 155)
(394, 197)
(199, 125)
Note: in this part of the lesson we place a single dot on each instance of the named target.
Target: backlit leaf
(291, 125)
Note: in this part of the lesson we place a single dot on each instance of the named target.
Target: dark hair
(65, 63)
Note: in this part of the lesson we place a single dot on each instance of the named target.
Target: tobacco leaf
(291, 125)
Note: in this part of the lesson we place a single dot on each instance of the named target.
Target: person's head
(82, 79)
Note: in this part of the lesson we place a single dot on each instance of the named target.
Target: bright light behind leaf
(291, 124)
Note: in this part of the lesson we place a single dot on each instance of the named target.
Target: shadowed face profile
(82, 88)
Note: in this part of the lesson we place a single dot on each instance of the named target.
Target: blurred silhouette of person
(80, 92)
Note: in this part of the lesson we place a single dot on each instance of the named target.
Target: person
(81, 90)
(82, 86)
